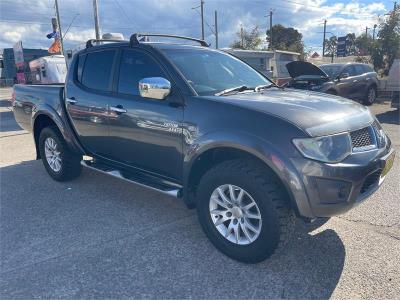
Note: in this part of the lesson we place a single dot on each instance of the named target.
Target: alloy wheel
(53, 156)
(371, 95)
(235, 214)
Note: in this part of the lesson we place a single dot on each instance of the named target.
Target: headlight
(331, 149)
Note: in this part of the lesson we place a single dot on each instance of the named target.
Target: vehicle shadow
(104, 238)
(389, 117)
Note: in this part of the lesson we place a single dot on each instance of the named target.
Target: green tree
(248, 40)
(330, 46)
(285, 38)
(351, 43)
(363, 44)
(387, 46)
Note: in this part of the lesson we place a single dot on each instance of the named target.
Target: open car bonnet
(301, 68)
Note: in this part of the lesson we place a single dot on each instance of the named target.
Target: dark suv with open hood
(351, 80)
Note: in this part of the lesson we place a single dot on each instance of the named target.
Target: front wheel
(370, 96)
(243, 210)
(60, 162)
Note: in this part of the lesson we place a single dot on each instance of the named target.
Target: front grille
(380, 135)
(370, 181)
(362, 139)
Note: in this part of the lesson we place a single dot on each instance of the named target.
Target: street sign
(341, 46)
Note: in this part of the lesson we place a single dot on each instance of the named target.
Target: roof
(342, 64)
(158, 45)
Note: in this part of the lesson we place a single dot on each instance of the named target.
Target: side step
(141, 179)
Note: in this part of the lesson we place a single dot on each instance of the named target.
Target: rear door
(347, 86)
(87, 99)
(362, 84)
(148, 135)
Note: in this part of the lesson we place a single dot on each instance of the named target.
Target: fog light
(333, 191)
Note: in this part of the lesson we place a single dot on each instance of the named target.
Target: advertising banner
(20, 77)
(18, 54)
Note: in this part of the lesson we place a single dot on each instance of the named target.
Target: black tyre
(370, 96)
(331, 92)
(254, 219)
(60, 162)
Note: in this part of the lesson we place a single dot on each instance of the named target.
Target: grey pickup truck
(201, 125)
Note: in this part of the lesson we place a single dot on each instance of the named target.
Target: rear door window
(351, 70)
(367, 69)
(97, 69)
(359, 69)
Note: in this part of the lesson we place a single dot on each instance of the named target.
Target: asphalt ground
(98, 237)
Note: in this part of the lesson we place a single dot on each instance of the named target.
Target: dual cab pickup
(202, 125)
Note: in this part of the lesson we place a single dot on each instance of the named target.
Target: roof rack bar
(134, 40)
(90, 42)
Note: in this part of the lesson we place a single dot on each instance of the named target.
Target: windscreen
(331, 71)
(210, 72)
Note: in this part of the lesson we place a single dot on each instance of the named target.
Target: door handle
(119, 109)
(71, 100)
(355, 80)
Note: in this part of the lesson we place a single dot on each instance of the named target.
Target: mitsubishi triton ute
(201, 125)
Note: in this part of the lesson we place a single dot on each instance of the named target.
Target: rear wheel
(370, 96)
(60, 162)
(243, 210)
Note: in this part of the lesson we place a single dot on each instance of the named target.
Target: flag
(55, 47)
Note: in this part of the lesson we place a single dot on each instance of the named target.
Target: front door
(146, 133)
(87, 99)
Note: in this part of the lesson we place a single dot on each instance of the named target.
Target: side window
(97, 69)
(367, 69)
(136, 65)
(351, 70)
(359, 69)
(79, 69)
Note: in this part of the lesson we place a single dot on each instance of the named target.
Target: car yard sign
(341, 46)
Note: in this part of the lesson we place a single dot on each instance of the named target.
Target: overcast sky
(30, 20)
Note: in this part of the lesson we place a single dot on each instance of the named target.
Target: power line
(116, 2)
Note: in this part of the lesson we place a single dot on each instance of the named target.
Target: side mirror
(343, 75)
(154, 87)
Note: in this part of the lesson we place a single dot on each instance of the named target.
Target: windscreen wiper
(263, 87)
(236, 89)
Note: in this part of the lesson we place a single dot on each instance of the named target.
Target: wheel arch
(40, 122)
(211, 154)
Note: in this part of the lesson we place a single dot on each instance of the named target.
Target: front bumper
(333, 189)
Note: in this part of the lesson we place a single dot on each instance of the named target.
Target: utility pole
(216, 29)
(366, 30)
(323, 41)
(270, 30)
(59, 27)
(373, 33)
(96, 19)
(202, 18)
